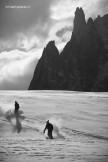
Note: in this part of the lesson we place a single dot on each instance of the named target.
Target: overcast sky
(25, 31)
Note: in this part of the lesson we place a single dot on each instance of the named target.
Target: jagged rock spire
(51, 50)
(46, 69)
(79, 23)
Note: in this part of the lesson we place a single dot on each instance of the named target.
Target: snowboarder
(49, 127)
(16, 108)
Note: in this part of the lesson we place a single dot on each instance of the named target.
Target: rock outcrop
(101, 24)
(46, 72)
(83, 63)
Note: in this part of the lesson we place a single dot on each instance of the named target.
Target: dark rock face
(83, 63)
(101, 24)
(46, 72)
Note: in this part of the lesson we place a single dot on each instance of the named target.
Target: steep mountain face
(83, 63)
(46, 72)
(84, 53)
(101, 24)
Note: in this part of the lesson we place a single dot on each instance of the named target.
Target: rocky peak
(91, 30)
(90, 21)
(50, 50)
(51, 44)
(79, 14)
(79, 23)
(45, 74)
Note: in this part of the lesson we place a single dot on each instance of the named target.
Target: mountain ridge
(83, 63)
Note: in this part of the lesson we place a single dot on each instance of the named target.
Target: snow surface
(80, 127)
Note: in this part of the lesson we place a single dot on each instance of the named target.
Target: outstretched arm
(45, 129)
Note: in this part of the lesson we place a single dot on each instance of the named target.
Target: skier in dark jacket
(49, 127)
(18, 123)
(16, 108)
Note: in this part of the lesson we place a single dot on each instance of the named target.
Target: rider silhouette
(49, 127)
(16, 107)
(18, 123)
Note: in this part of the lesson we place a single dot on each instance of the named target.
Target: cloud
(61, 9)
(23, 33)
(23, 28)
(56, 26)
(18, 20)
(103, 4)
(16, 68)
(33, 38)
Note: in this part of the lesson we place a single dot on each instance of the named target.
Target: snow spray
(57, 124)
(7, 111)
